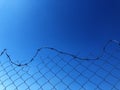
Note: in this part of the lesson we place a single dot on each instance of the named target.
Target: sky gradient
(68, 25)
(75, 26)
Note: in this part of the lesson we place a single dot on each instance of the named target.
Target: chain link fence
(51, 69)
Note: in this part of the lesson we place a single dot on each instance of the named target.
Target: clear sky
(76, 26)
(65, 24)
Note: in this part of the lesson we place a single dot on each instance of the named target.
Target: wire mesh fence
(51, 69)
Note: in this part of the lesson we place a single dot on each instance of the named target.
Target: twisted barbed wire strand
(60, 52)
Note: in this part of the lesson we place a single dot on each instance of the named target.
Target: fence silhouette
(52, 69)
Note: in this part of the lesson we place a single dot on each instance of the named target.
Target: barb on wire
(60, 52)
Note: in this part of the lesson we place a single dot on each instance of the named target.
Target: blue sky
(65, 24)
(76, 26)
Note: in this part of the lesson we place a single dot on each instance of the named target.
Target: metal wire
(59, 70)
(60, 52)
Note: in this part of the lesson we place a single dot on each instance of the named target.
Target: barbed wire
(4, 52)
(52, 69)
